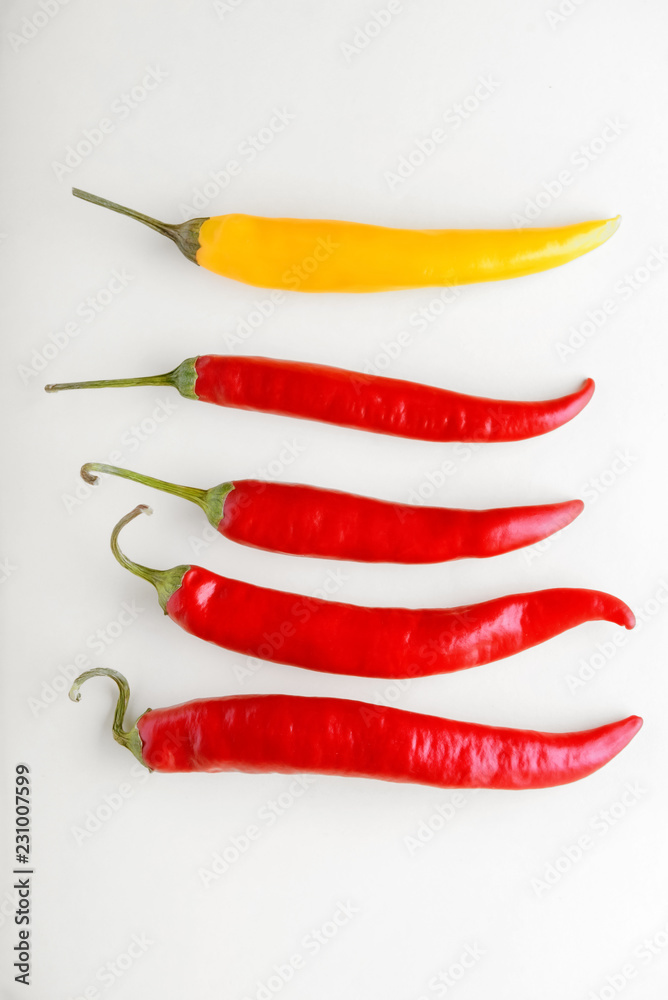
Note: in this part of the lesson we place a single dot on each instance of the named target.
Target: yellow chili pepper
(325, 256)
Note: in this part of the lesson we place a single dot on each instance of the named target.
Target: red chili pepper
(350, 399)
(308, 521)
(291, 734)
(367, 642)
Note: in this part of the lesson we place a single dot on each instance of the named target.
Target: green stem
(182, 378)
(184, 234)
(127, 738)
(165, 581)
(211, 501)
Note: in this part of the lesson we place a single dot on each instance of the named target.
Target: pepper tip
(626, 617)
(611, 226)
(575, 507)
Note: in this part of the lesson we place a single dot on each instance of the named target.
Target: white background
(478, 880)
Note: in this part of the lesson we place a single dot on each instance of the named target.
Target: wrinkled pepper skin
(330, 256)
(291, 734)
(375, 402)
(339, 638)
(328, 524)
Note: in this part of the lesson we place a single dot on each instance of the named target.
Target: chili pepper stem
(211, 501)
(182, 378)
(127, 738)
(165, 581)
(184, 234)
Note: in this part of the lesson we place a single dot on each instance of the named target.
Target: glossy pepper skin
(328, 524)
(327, 256)
(361, 402)
(375, 402)
(342, 638)
(323, 255)
(332, 736)
(339, 638)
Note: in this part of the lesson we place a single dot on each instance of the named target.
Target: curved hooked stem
(127, 738)
(185, 492)
(184, 234)
(211, 501)
(165, 581)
